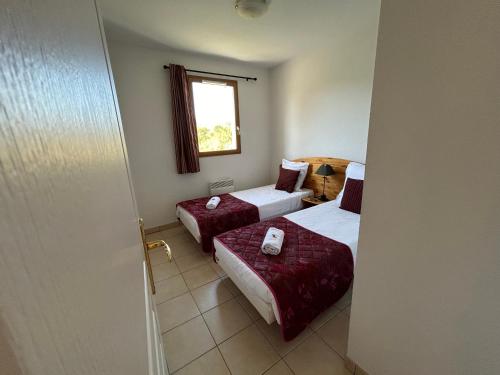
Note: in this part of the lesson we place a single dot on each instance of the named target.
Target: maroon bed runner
(231, 213)
(311, 273)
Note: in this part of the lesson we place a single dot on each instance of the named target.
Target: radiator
(225, 185)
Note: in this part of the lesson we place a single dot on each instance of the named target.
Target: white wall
(144, 97)
(321, 99)
(317, 104)
(426, 290)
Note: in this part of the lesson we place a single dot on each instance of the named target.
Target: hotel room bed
(268, 201)
(316, 264)
(327, 220)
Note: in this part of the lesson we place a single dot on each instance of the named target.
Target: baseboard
(160, 228)
(352, 367)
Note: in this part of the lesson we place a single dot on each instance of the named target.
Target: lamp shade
(325, 170)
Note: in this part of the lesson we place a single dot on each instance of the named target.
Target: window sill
(219, 153)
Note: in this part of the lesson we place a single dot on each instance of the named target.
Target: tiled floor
(209, 327)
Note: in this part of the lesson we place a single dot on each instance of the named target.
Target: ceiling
(289, 28)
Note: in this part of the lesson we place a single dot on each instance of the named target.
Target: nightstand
(311, 201)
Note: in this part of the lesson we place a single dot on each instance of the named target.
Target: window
(216, 112)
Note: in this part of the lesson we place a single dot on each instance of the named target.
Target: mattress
(270, 202)
(325, 219)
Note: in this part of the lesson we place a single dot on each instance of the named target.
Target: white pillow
(355, 171)
(302, 167)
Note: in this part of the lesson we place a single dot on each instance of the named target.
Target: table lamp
(324, 170)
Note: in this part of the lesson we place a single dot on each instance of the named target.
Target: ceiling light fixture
(251, 8)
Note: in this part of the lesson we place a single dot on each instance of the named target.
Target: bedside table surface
(313, 200)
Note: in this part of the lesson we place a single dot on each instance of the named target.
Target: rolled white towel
(273, 241)
(213, 203)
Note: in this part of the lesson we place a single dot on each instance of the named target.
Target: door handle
(150, 246)
(160, 243)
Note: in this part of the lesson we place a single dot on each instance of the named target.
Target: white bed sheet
(325, 219)
(270, 202)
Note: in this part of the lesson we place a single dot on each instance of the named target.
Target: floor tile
(359, 371)
(247, 305)
(229, 285)
(181, 240)
(210, 362)
(314, 357)
(176, 311)
(182, 252)
(168, 233)
(345, 300)
(170, 288)
(324, 317)
(273, 334)
(186, 343)
(193, 260)
(226, 320)
(335, 333)
(279, 368)
(185, 246)
(248, 352)
(155, 236)
(350, 365)
(199, 276)
(347, 311)
(158, 256)
(211, 295)
(175, 231)
(218, 269)
(164, 271)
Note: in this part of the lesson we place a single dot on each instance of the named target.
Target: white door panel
(156, 356)
(72, 286)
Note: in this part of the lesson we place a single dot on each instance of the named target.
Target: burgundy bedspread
(231, 213)
(310, 274)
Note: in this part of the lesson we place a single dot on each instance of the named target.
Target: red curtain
(183, 122)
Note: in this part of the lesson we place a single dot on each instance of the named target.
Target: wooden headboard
(333, 183)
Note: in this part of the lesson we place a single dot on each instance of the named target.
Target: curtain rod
(215, 74)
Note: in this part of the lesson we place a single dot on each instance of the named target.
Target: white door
(74, 297)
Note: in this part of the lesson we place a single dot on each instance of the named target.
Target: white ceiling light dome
(251, 8)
